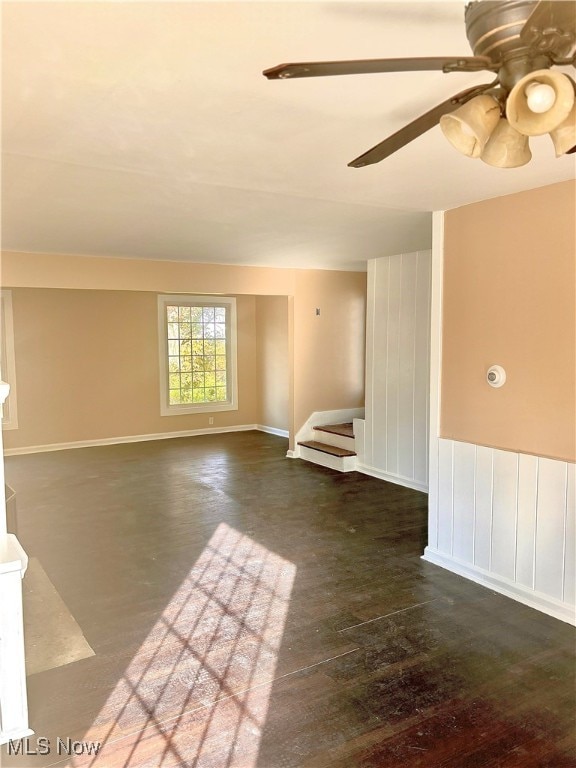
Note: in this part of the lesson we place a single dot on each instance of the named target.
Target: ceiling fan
(519, 41)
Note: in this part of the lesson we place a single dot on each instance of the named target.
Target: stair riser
(340, 441)
(340, 463)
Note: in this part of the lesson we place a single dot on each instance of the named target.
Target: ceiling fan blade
(416, 128)
(551, 24)
(372, 66)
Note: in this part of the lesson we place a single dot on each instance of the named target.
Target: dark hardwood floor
(251, 611)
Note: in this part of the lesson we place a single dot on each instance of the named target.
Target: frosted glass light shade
(506, 147)
(564, 136)
(531, 123)
(468, 128)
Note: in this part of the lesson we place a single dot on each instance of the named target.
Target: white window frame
(191, 300)
(8, 411)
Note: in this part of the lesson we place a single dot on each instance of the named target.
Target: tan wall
(509, 299)
(272, 362)
(41, 270)
(87, 367)
(326, 353)
(330, 347)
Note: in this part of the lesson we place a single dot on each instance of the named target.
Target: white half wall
(506, 520)
(397, 369)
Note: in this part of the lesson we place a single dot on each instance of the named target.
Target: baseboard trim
(273, 430)
(555, 608)
(391, 478)
(127, 439)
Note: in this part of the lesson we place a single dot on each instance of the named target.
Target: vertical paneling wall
(397, 369)
(508, 520)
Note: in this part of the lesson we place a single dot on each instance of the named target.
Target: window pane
(197, 339)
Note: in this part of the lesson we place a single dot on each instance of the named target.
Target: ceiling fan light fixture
(564, 136)
(506, 147)
(526, 108)
(469, 127)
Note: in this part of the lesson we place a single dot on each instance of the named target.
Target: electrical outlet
(211, 420)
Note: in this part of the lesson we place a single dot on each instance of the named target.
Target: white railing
(13, 563)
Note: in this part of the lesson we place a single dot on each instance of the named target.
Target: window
(197, 354)
(9, 410)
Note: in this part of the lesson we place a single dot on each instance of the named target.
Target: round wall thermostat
(496, 376)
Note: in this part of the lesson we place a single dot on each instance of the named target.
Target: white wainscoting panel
(483, 480)
(464, 468)
(397, 369)
(504, 514)
(506, 520)
(569, 595)
(527, 501)
(446, 497)
(550, 527)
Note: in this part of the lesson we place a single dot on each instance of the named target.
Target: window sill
(185, 410)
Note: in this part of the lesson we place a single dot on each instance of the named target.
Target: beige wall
(41, 270)
(87, 367)
(329, 349)
(509, 299)
(272, 362)
(326, 353)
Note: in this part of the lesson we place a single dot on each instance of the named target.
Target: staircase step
(333, 450)
(346, 430)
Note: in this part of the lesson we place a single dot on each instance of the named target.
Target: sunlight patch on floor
(216, 641)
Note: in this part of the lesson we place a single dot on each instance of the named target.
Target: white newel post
(13, 563)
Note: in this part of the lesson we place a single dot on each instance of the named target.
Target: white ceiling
(147, 130)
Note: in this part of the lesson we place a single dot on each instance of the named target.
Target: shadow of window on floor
(196, 692)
